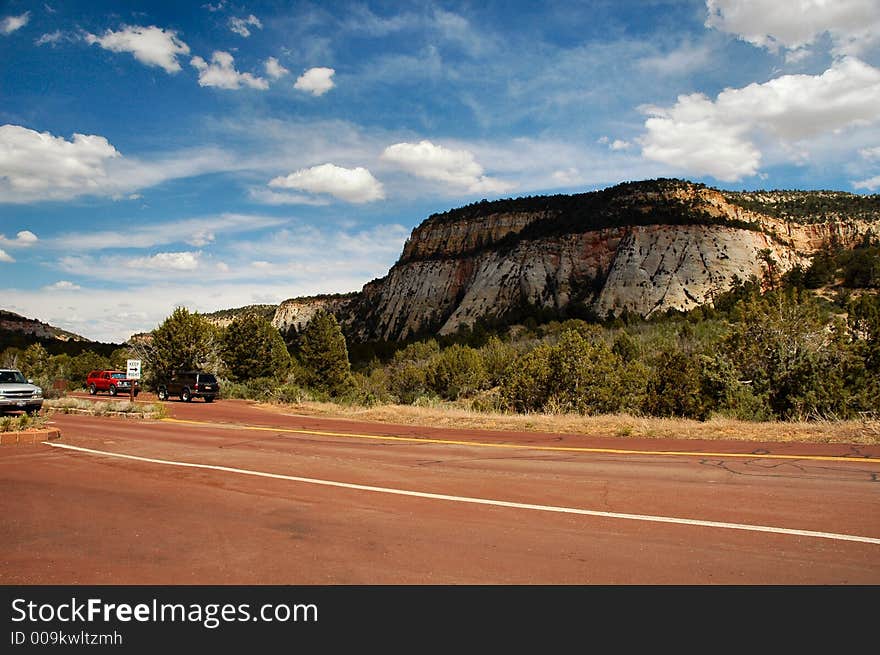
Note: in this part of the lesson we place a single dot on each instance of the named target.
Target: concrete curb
(29, 437)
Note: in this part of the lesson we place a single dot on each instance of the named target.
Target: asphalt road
(227, 493)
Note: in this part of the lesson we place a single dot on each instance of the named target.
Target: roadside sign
(134, 369)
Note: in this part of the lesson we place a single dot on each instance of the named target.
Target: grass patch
(106, 407)
(22, 422)
(620, 426)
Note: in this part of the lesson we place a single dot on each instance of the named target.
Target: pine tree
(251, 347)
(184, 341)
(324, 355)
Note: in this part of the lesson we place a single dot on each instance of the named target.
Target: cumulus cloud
(11, 23)
(274, 69)
(316, 81)
(718, 138)
(432, 162)
(172, 261)
(151, 45)
(23, 239)
(853, 25)
(355, 185)
(36, 165)
(62, 285)
(221, 73)
(240, 25)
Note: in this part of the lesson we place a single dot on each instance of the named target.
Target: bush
(456, 371)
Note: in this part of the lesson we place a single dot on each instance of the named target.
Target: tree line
(795, 352)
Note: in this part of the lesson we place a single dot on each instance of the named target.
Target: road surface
(227, 493)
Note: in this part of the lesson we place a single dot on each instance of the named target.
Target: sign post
(133, 374)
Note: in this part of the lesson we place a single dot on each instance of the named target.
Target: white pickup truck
(17, 393)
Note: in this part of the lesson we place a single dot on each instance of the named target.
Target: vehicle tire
(185, 396)
(209, 399)
(112, 390)
(93, 390)
(162, 393)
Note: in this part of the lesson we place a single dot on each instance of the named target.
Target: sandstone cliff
(644, 247)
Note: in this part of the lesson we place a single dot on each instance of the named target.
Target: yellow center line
(575, 449)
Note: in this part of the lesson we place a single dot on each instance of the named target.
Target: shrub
(456, 371)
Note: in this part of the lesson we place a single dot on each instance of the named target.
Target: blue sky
(214, 155)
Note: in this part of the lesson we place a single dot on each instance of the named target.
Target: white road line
(480, 501)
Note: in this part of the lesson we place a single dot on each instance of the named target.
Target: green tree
(794, 356)
(184, 341)
(34, 361)
(674, 388)
(80, 366)
(324, 355)
(251, 347)
(526, 385)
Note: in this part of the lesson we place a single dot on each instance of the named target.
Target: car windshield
(12, 376)
(117, 376)
(207, 378)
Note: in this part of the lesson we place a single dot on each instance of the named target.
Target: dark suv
(189, 385)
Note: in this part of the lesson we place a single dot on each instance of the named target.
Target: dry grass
(865, 432)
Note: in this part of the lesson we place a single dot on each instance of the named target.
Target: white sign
(134, 369)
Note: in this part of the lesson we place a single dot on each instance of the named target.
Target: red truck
(113, 382)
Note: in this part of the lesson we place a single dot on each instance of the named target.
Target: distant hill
(17, 331)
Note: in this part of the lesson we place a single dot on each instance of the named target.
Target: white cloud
(221, 73)
(871, 184)
(151, 45)
(686, 59)
(433, 162)
(355, 185)
(52, 38)
(620, 144)
(240, 25)
(23, 239)
(194, 231)
(853, 25)
(37, 165)
(11, 23)
(316, 81)
(5, 256)
(62, 285)
(870, 153)
(167, 261)
(274, 69)
(718, 138)
(268, 197)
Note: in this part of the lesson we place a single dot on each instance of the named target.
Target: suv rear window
(207, 378)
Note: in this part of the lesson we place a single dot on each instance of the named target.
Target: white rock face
(454, 271)
(682, 267)
(297, 312)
